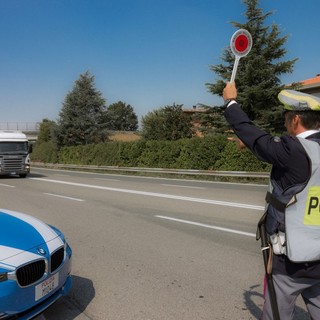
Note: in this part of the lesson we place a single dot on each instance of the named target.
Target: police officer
(293, 199)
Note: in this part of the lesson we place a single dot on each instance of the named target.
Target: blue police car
(35, 265)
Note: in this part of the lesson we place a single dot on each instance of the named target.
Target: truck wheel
(22, 175)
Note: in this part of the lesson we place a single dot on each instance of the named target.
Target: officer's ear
(296, 120)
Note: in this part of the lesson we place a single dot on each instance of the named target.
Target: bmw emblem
(41, 251)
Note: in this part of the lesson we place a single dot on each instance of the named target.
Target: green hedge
(231, 159)
(45, 152)
(208, 153)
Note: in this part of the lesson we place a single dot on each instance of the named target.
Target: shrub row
(208, 153)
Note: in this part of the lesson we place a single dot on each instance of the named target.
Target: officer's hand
(240, 145)
(230, 91)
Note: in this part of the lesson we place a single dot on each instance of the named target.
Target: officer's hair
(309, 119)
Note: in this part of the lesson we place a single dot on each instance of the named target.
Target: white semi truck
(14, 153)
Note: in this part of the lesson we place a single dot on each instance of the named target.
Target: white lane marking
(203, 225)
(159, 195)
(179, 186)
(64, 197)
(6, 185)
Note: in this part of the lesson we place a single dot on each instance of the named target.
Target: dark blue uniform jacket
(290, 167)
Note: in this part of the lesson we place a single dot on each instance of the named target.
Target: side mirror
(30, 148)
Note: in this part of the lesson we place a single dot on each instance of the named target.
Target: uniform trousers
(287, 291)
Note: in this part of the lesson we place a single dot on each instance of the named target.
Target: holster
(266, 247)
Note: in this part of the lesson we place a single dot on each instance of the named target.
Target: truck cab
(14, 153)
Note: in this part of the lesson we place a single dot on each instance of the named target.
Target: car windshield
(14, 147)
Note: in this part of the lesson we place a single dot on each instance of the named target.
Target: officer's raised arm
(229, 93)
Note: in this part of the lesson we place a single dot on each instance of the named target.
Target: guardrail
(213, 173)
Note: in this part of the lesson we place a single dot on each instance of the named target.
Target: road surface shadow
(13, 176)
(72, 307)
(253, 299)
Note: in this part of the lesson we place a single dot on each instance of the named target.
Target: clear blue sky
(146, 53)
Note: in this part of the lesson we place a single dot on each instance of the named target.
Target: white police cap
(299, 101)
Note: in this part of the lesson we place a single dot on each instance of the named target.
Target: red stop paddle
(240, 44)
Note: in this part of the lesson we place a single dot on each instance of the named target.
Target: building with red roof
(311, 86)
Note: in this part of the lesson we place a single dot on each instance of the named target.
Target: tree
(212, 121)
(168, 123)
(45, 149)
(81, 117)
(121, 117)
(46, 131)
(258, 77)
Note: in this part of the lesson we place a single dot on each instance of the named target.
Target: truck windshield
(14, 147)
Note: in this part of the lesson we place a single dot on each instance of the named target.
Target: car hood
(24, 238)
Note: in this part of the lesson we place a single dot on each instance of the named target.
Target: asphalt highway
(150, 248)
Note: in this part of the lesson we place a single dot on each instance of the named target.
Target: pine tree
(81, 117)
(211, 121)
(258, 76)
